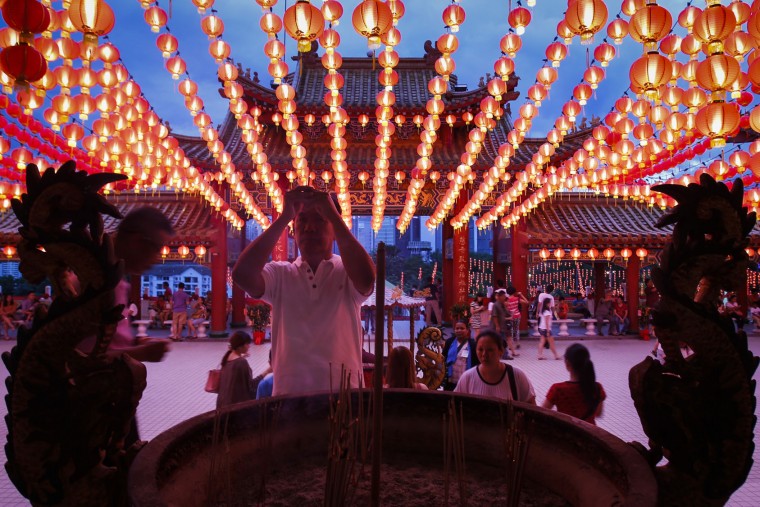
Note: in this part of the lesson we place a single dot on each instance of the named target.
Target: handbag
(212, 382)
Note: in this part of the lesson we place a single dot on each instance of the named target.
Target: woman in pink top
(582, 396)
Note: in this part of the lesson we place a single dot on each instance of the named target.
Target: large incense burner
(578, 462)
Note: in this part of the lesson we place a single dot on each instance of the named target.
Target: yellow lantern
(716, 120)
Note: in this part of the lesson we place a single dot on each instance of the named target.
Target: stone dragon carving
(69, 411)
(698, 411)
(429, 358)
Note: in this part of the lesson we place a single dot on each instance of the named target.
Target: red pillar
(632, 292)
(461, 264)
(447, 269)
(520, 266)
(238, 294)
(280, 252)
(499, 267)
(219, 280)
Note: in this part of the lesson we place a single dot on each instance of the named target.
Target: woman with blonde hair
(401, 373)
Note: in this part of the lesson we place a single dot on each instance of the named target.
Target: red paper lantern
(23, 63)
(26, 16)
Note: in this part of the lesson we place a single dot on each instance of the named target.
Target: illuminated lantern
(608, 253)
(213, 26)
(650, 24)
(559, 253)
(156, 17)
(304, 23)
(592, 253)
(544, 254)
(183, 251)
(642, 253)
(716, 120)
(555, 53)
(165, 251)
(713, 25)
(648, 73)
(511, 44)
(453, 17)
(73, 132)
(754, 119)
(504, 67)
(617, 30)
(91, 17)
(26, 17)
(219, 50)
(518, 19)
(176, 66)
(575, 253)
(270, 23)
(688, 16)
(717, 72)
(585, 18)
(372, 19)
(626, 253)
(332, 11)
(23, 63)
(694, 98)
(9, 251)
(203, 5)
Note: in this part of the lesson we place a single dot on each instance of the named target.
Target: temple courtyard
(175, 389)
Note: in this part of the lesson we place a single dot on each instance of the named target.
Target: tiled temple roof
(191, 218)
(586, 221)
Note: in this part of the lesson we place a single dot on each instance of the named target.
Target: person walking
(432, 305)
(477, 312)
(501, 321)
(514, 300)
(581, 396)
(179, 312)
(545, 330)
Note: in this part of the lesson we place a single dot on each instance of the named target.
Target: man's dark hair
(550, 288)
(500, 283)
(511, 290)
(181, 285)
(146, 218)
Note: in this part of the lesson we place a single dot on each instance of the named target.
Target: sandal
(541, 358)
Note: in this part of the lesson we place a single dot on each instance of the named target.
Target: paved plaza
(175, 390)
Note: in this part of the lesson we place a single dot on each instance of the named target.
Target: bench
(591, 326)
(142, 327)
(563, 326)
(201, 329)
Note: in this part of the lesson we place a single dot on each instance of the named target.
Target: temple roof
(191, 218)
(584, 221)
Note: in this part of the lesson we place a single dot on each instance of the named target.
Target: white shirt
(472, 383)
(541, 298)
(316, 325)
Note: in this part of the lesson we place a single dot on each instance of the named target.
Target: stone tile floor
(175, 390)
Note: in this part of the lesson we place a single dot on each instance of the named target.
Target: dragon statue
(69, 411)
(698, 409)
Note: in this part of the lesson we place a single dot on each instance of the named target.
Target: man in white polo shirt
(316, 300)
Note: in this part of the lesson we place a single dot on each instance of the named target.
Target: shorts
(544, 332)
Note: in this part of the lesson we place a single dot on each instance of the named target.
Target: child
(545, 329)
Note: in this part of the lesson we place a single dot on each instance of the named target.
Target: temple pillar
(600, 281)
(461, 264)
(447, 268)
(632, 292)
(280, 251)
(520, 266)
(499, 244)
(238, 294)
(219, 279)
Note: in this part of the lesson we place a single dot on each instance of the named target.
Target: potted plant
(259, 314)
(460, 311)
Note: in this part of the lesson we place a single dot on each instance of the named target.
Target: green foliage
(259, 315)
(460, 311)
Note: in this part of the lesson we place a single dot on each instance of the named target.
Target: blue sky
(479, 39)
